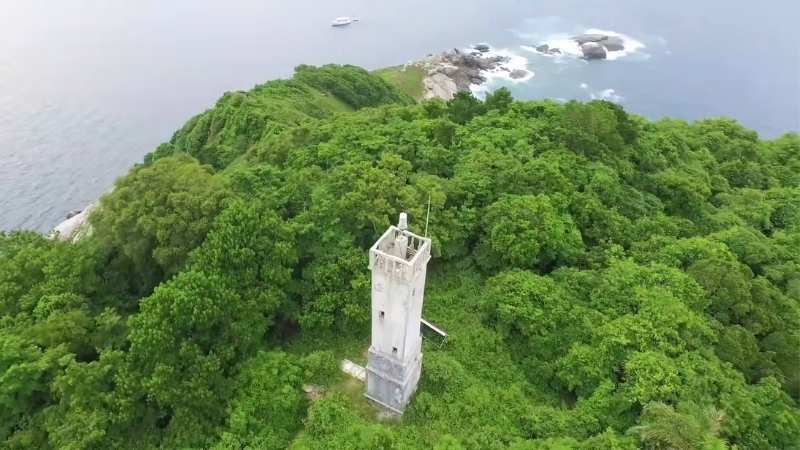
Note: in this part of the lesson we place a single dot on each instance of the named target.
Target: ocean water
(87, 87)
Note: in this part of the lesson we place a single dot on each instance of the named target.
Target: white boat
(342, 21)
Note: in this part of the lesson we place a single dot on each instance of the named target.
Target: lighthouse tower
(398, 262)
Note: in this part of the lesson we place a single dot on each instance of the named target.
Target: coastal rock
(448, 69)
(593, 50)
(547, 50)
(441, 86)
(613, 43)
(588, 37)
(457, 71)
(517, 74)
(75, 227)
(483, 48)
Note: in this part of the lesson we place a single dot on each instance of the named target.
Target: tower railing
(416, 255)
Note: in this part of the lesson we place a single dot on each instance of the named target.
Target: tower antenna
(427, 217)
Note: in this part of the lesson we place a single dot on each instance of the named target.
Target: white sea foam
(608, 94)
(570, 48)
(502, 73)
(631, 45)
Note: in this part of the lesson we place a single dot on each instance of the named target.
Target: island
(592, 279)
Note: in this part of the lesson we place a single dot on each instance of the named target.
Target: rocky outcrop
(455, 71)
(593, 50)
(75, 227)
(544, 48)
(517, 74)
(592, 45)
(589, 37)
(613, 43)
(439, 85)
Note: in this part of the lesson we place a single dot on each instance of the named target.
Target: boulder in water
(593, 50)
(589, 37)
(554, 51)
(483, 48)
(516, 74)
(613, 43)
(544, 48)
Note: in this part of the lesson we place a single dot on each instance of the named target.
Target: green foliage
(606, 281)
(267, 404)
(350, 84)
(530, 232)
(408, 79)
(241, 120)
(500, 100)
(688, 428)
(158, 214)
(463, 107)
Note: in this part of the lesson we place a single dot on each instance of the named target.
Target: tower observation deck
(398, 261)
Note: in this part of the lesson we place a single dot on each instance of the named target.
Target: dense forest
(608, 282)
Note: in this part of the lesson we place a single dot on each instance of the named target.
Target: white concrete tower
(398, 262)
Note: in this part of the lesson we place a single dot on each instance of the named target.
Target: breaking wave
(502, 73)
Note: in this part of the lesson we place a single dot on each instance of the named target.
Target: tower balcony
(400, 254)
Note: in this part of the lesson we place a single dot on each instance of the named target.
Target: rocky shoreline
(457, 71)
(75, 226)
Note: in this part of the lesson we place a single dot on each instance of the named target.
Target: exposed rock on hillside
(455, 71)
(75, 226)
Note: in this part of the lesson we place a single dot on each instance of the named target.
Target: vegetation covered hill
(608, 282)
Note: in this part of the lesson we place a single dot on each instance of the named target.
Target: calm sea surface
(88, 87)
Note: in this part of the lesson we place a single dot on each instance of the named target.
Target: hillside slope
(607, 281)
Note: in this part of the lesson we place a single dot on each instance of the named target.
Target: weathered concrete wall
(398, 262)
(392, 383)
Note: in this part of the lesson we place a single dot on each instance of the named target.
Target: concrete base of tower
(391, 382)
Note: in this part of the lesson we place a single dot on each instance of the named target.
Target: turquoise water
(88, 87)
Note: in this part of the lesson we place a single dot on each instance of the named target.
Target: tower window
(383, 314)
(394, 350)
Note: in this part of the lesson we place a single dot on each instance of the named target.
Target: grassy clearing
(407, 79)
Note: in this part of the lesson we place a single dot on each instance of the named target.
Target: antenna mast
(427, 217)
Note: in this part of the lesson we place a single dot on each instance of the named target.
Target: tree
(690, 427)
(267, 404)
(499, 100)
(463, 107)
(156, 215)
(530, 231)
